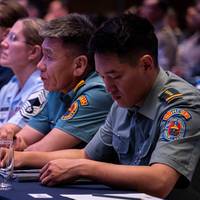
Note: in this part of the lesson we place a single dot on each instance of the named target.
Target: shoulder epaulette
(169, 95)
(80, 84)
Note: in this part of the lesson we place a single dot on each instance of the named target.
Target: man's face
(193, 18)
(57, 65)
(150, 10)
(125, 82)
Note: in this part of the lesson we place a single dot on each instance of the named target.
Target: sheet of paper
(140, 196)
(135, 195)
(40, 195)
(84, 197)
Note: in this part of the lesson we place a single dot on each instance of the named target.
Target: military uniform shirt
(165, 129)
(18, 105)
(79, 112)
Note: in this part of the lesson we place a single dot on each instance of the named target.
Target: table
(21, 190)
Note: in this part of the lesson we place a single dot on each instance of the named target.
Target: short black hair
(125, 35)
(73, 29)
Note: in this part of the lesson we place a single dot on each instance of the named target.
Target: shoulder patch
(173, 124)
(83, 100)
(34, 104)
(71, 111)
(170, 94)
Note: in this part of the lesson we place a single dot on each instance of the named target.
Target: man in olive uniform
(152, 130)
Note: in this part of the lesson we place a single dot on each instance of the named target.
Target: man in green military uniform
(152, 130)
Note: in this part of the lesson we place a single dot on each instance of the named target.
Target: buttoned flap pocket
(120, 144)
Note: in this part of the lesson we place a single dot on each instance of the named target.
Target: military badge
(83, 100)
(169, 95)
(34, 104)
(79, 85)
(173, 124)
(71, 111)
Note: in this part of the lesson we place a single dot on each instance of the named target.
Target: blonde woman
(23, 96)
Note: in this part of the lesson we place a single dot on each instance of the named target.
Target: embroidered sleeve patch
(34, 104)
(71, 111)
(173, 124)
(83, 100)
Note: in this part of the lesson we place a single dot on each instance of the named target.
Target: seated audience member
(152, 128)
(172, 22)
(78, 102)
(156, 11)
(188, 54)
(57, 9)
(10, 12)
(23, 96)
(35, 8)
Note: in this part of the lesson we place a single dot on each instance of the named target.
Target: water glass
(7, 163)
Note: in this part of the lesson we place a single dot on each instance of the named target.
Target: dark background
(118, 6)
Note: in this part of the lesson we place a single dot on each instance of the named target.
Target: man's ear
(80, 65)
(146, 61)
(35, 53)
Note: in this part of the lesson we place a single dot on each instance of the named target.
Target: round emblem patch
(173, 124)
(71, 111)
(174, 128)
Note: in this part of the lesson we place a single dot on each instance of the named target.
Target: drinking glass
(7, 163)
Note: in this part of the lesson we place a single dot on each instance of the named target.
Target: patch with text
(173, 124)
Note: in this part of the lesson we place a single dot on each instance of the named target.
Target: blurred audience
(172, 22)
(56, 9)
(155, 11)
(188, 54)
(35, 8)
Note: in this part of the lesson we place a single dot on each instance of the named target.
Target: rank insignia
(34, 104)
(83, 100)
(170, 95)
(71, 111)
(173, 124)
(79, 85)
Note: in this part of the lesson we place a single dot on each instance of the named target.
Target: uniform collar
(73, 92)
(149, 108)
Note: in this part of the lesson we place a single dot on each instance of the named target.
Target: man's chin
(48, 88)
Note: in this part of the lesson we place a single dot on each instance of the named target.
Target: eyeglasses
(12, 37)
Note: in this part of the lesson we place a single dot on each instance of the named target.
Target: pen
(115, 197)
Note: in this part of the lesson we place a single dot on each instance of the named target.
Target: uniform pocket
(121, 146)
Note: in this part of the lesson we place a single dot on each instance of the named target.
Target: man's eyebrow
(47, 50)
(112, 72)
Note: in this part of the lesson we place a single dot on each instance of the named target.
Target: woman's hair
(31, 29)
